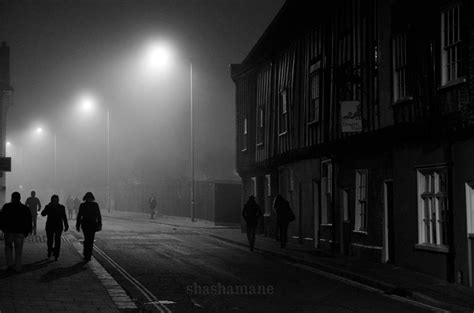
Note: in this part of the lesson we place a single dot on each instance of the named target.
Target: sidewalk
(66, 285)
(388, 278)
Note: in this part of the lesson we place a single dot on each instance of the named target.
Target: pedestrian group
(252, 214)
(18, 220)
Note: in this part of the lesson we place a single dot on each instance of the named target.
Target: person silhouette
(152, 205)
(89, 219)
(35, 206)
(70, 207)
(56, 214)
(284, 216)
(16, 224)
(251, 213)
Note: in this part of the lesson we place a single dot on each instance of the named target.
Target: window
(450, 44)
(260, 125)
(283, 121)
(269, 185)
(361, 201)
(326, 192)
(432, 206)
(399, 67)
(244, 135)
(470, 208)
(315, 92)
(253, 186)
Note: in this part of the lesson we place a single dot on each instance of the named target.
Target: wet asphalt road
(193, 270)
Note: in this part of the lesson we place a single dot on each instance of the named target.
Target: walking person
(284, 216)
(90, 220)
(251, 214)
(35, 206)
(16, 224)
(56, 214)
(76, 204)
(152, 205)
(70, 207)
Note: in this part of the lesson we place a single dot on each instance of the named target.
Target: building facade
(360, 113)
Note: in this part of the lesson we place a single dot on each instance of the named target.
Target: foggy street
(177, 263)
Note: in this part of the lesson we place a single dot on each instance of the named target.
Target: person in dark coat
(16, 224)
(284, 216)
(89, 219)
(56, 214)
(251, 214)
(35, 206)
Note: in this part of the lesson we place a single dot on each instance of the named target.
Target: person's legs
(284, 234)
(57, 243)
(9, 249)
(34, 218)
(49, 241)
(253, 229)
(18, 240)
(88, 244)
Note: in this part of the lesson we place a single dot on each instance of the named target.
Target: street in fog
(176, 262)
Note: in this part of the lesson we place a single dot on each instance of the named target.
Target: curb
(387, 288)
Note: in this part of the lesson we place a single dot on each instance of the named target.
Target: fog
(61, 50)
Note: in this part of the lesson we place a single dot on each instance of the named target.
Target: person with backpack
(251, 214)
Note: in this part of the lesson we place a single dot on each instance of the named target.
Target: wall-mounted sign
(351, 120)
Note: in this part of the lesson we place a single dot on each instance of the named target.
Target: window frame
(326, 192)
(432, 203)
(315, 72)
(361, 200)
(244, 134)
(283, 112)
(451, 44)
(399, 67)
(260, 125)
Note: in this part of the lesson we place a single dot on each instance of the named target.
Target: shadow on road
(61, 272)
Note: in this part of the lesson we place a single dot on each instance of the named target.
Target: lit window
(450, 44)
(432, 206)
(260, 126)
(361, 201)
(244, 135)
(283, 120)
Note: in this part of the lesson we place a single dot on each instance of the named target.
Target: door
(316, 204)
(388, 251)
(346, 228)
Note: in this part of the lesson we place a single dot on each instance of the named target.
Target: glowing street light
(87, 105)
(158, 56)
(39, 130)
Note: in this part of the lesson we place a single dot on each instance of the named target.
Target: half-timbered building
(360, 113)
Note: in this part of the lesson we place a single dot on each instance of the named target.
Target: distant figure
(76, 204)
(284, 216)
(35, 206)
(54, 225)
(152, 205)
(16, 224)
(90, 220)
(251, 213)
(70, 207)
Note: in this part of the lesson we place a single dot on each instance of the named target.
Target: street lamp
(159, 55)
(87, 104)
(40, 131)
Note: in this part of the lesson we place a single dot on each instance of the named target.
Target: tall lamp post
(87, 104)
(39, 130)
(158, 55)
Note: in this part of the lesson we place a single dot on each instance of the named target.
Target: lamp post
(159, 55)
(87, 104)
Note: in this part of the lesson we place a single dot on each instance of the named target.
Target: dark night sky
(59, 48)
